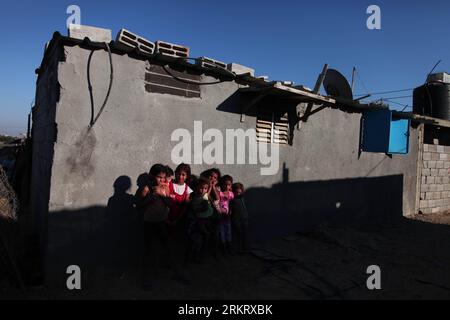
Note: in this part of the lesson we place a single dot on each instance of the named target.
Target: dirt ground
(327, 263)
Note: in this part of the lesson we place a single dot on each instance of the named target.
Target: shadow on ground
(317, 249)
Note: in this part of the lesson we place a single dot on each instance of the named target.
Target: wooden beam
(313, 112)
(316, 91)
(313, 96)
(422, 119)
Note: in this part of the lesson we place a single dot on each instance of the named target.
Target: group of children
(197, 214)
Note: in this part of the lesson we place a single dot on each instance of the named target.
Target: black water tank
(432, 99)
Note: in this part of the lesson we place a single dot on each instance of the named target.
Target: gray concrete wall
(44, 131)
(322, 176)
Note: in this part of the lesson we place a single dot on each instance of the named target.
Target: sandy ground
(327, 263)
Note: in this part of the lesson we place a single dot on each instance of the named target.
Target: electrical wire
(387, 92)
(111, 79)
(398, 103)
(194, 82)
(362, 82)
(398, 97)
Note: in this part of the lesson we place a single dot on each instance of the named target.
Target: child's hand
(145, 191)
(160, 191)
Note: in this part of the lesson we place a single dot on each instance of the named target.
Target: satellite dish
(336, 85)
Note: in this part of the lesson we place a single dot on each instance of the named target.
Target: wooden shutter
(272, 128)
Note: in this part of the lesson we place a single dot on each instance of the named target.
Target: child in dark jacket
(199, 214)
(239, 217)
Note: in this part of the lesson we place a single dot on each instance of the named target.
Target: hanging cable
(398, 97)
(362, 82)
(193, 82)
(111, 78)
(386, 92)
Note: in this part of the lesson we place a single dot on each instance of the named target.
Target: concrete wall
(435, 182)
(321, 175)
(44, 132)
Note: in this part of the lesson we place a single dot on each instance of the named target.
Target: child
(153, 202)
(239, 217)
(169, 174)
(213, 176)
(179, 193)
(225, 196)
(199, 214)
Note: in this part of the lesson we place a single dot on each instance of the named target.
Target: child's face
(203, 189)
(181, 177)
(238, 191)
(214, 178)
(160, 178)
(169, 178)
(228, 186)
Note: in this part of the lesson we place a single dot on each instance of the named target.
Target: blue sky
(286, 40)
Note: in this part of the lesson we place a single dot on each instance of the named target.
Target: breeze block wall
(435, 184)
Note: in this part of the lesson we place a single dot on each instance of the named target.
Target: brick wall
(435, 184)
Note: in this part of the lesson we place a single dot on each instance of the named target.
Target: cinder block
(446, 164)
(432, 164)
(426, 172)
(171, 49)
(429, 195)
(425, 188)
(443, 156)
(432, 203)
(240, 69)
(430, 180)
(434, 172)
(439, 187)
(93, 33)
(436, 195)
(206, 62)
(145, 46)
(130, 40)
(426, 210)
(427, 156)
(447, 187)
(445, 180)
(436, 210)
(432, 148)
(440, 202)
(443, 172)
(423, 204)
(434, 156)
(440, 149)
(447, 149)
(432, 188)
(425, 147)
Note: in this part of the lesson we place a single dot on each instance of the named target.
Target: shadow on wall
(110, 239)
(290, 207)
(106, 239)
